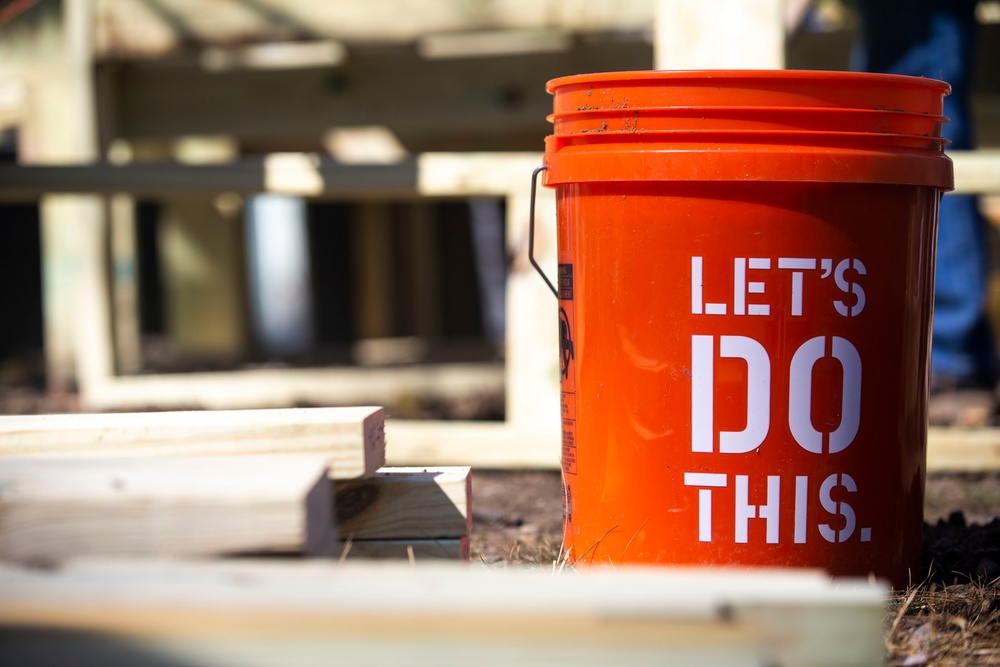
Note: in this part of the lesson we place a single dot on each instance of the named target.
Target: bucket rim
(669, 110)
(751, 134)
(640, 76)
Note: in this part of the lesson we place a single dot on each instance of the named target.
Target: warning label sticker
(569, 446)
(567, 368)
(565, 282)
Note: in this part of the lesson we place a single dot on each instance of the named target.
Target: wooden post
(125, 285)
(202, 266)
(719, 34)
(373, 251)
(532, 318)
(55, 63)
(421, 239)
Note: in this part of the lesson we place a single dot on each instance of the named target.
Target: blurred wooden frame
(530, 435)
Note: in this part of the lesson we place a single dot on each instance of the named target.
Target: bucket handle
(531, 230)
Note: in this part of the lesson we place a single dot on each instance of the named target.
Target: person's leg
(935, 38)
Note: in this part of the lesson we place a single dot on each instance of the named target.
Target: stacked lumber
(221, 483)
(246, 613)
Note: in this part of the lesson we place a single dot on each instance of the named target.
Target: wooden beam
(261, 613)
(373, 276)
(132, 29)
(963, 450)
(976, 172)
(476, 444)
(26, 183)
(290, 386)
(491, 445)
(720, 34)
(431, 174)
(405, 503)
(461, 104)
(54, 509)
(125, 284)
(352, 440)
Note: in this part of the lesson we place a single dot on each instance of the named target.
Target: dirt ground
(952, 618)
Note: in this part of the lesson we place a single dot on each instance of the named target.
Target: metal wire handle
(531, 230)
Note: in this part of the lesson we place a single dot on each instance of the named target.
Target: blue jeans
(936, 39)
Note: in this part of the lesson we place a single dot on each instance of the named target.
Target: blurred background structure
(250, 203)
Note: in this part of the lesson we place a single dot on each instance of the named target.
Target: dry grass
(944, 625)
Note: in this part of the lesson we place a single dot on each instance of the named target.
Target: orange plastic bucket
(746, 270)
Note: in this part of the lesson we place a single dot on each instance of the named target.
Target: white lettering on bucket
(801, 504)
(800, 395)
(770, 512)
(706, 349)
(741, 287)
(744, 285)
(697, 287)
(703, 394)
(850, 287)
(745, 511)
(797, 265)
(841, 508)
(758, 390)
(705, 480)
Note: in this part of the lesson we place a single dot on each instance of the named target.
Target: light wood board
(963, 450)
(57, 508)
(405, 503)
(248, 614)
(351, 439)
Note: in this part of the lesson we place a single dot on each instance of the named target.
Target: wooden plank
(976, 172)
(477, 444)
(57, 508)
(289, 386)
(352, 440)
(963, 450)
(410, 550)
(407, 503)
(26, 183)
(263, 613)
(486, 445)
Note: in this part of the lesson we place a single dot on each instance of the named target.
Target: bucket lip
(667, 110)
(641, 76)
(752, 134)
